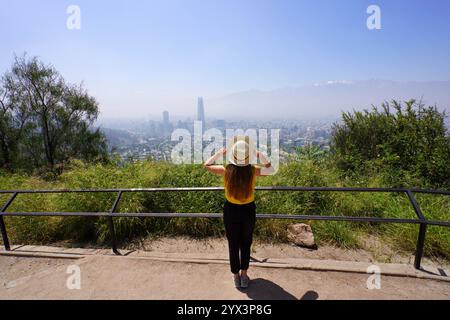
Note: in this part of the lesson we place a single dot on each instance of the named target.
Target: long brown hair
(238, 181)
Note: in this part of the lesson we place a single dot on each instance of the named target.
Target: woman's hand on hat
(222, 151)
(264, 160)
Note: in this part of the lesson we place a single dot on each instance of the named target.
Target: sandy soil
(106, 277)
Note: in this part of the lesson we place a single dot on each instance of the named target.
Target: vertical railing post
(2, 222)
(420, 244)
(112, 233)
(4, 234)
(422, 230)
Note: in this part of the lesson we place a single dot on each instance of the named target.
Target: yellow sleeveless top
(249, 199)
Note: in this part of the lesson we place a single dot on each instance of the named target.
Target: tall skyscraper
(201, 111)
(166, 118)
(166, 126)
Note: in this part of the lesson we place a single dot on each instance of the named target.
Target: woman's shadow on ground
(262, 289)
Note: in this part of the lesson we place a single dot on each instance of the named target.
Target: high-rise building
(166, 126)
(201, 111)
(166, 118)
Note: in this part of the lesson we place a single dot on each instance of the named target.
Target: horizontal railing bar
(57, 214)
(115, 190)
(220, 215)
(440, 192)
(273, 188)
(438, 223)
(332, 189)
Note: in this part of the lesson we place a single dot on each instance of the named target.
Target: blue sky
(154, 54)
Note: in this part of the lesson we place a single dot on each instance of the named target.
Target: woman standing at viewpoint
(239, 212)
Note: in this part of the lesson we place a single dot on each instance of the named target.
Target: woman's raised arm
(211, 167)
(268, 169)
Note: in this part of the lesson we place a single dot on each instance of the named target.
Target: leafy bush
(404, 140)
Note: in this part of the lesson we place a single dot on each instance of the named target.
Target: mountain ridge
(329, 98)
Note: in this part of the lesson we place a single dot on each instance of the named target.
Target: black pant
(239, 220)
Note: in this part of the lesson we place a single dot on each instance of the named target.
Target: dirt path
(106, 277)
(379, 252)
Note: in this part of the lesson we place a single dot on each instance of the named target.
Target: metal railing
(420, 220)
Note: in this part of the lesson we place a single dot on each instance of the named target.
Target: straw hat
(242, 151)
